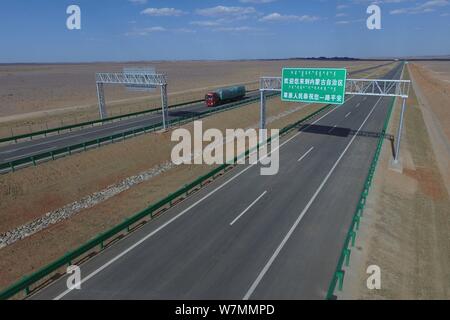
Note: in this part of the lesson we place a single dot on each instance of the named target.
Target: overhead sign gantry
(320, 85)
(132, 79)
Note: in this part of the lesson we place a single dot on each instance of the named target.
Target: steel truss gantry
(362, 87)
(141, 79)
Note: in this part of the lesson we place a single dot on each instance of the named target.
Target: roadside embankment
(406, 225)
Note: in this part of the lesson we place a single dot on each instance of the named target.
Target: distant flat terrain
(26, 88)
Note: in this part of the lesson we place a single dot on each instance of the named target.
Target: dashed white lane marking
(248, 208)
(307, 152)
(123, 253)
(332, 128)
(294, 226)
(347, 114)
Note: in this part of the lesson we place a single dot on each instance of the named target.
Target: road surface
(46, 144)
(247, 236)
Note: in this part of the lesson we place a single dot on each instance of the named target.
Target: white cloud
(236, 29)
(205, 23)
(141, 32)
(138, 1)
(341, 6)
(428, 6)
(184, 30)
(257, 1)
(276, 17)
(166, 12)
(145, 31)
(343, 22)
(225, 11)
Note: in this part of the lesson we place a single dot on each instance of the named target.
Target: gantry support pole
(262, 115)
(165, 113)
(399, 132)
(101, 101)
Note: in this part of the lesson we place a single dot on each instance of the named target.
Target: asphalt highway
(46, 144)
(247, 236)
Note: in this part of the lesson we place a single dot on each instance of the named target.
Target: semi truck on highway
(223, 95)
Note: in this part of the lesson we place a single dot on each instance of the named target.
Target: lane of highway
(29, 148)
(247, 236)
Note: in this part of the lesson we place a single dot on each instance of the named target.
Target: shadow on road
(343, 132)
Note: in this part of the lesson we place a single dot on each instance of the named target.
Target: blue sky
(124, 30)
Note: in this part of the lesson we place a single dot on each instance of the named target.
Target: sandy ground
(433, 93)
(29, 193)
(36, 97)
(405, 228)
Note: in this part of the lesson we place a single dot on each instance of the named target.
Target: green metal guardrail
(344, 258)
(99, 241)
(94, 122)
(128, 115)
(12, 165)
(89, 123)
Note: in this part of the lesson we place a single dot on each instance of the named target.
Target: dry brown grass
(36, 97)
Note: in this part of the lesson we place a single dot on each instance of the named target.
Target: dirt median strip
(91, 200)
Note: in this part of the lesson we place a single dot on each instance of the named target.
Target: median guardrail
(350, 239)
(91, 123)
(26, 283)
(83, 146)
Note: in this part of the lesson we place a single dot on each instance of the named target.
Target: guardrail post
(357, 220)
(33, 160)
(347, 256)
(340, 279)
(352, 235)
(360, 209)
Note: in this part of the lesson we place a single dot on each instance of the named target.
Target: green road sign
(321, 85)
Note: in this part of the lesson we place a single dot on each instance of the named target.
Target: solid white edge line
(306, 153)
(248, 208)
(184, 211)
(294, 226)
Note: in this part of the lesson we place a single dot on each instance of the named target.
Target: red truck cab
(211, 99)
